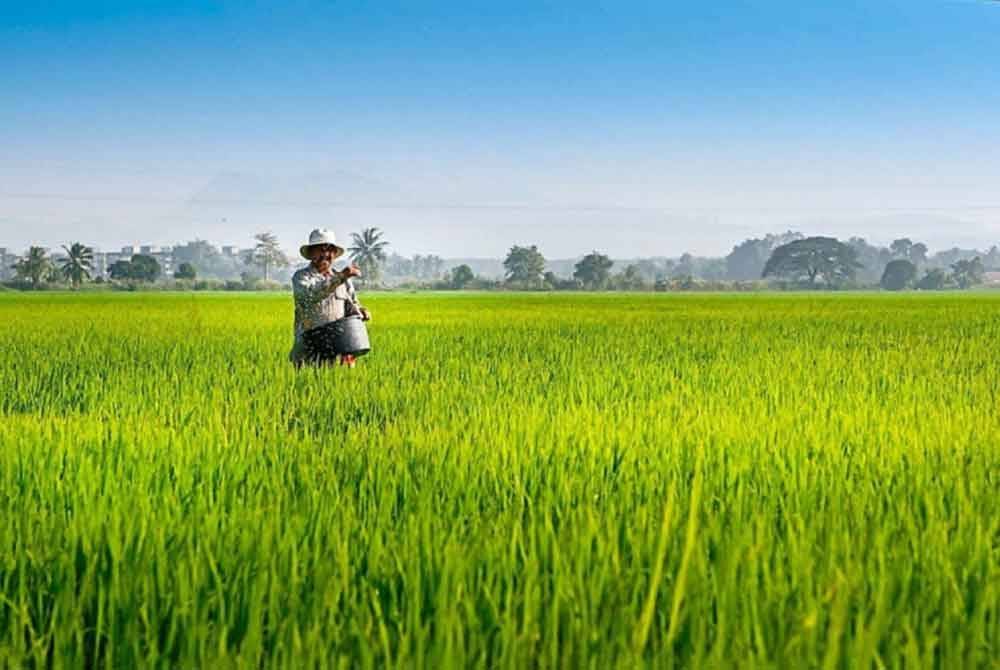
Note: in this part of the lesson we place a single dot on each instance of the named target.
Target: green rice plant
(507, 481)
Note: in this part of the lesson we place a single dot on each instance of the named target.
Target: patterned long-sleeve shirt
(319, 299)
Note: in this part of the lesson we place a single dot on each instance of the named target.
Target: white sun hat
(321, 236)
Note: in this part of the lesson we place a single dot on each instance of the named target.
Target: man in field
(322, 294)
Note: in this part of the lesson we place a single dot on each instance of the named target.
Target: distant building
(153, 250)
(7, 259)
(99, 266)
(166, 261)
(231, 251)
(991, 278)
(128, 252)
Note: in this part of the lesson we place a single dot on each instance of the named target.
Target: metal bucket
(343, 336)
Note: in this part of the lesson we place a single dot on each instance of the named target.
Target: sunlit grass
(507, 481)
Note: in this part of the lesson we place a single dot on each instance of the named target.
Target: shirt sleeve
(314, 288)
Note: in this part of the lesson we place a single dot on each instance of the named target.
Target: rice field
(508, 481)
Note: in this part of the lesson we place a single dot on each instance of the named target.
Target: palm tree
(33, 266)
(368, 249)
(78, 263)
(266, 254)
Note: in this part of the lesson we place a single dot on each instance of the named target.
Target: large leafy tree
(186, 271)
(747, 259)
(948, 257)
(934, 280)
(918, 253)
(34, 266)
(368, 248)
(267, 254)
(915, 252)
(78, 263)
(144, 268)
(462, 276)
(968, 272)
(120, 269)
(524, 265)
(811, 259)
(593, 270)
(899, 274)
(901, 248)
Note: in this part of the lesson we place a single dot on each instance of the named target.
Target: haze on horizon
(639, 129)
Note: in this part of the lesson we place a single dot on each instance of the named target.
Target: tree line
(76, 267)
(786, 260)
(791, 260)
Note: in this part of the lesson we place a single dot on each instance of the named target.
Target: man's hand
(365, 315)
(351, 270)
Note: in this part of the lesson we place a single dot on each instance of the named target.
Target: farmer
(322, 294)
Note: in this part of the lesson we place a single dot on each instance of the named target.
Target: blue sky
(462, 128)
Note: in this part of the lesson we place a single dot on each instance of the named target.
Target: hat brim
(304, 250)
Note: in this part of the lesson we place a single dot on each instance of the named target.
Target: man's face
(322, 257)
